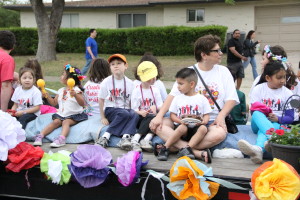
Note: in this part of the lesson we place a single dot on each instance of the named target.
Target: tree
(48, 27)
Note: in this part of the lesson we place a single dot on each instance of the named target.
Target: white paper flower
(11, 134)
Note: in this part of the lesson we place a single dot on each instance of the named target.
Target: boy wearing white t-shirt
(189, 104)
(146, 101)
(114, 102)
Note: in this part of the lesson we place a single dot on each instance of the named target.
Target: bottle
(257, 48)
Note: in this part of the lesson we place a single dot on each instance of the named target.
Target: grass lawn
(170, 64)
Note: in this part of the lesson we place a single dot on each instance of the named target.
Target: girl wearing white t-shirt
(70, 112)
(98, 71)
(145, 101)
(271, 92)
(27, 98)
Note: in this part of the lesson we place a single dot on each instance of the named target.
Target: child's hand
(19, 113)
(45, 95)
(273, 117)
(143, 113)
(11, 112)
(104, 121)
(72, 93)
(153, 109)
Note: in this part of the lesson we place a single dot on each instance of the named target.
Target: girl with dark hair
(70, 112)
(271, 92)
(98, 71)
(249, 52)
(276, 54)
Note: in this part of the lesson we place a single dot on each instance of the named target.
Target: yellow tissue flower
(277, 182)
(72, 70)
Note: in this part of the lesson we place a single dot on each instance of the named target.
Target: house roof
(115, 3)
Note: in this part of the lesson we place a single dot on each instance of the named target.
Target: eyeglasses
(216, 50)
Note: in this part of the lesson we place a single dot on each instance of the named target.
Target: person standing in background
(249, 52)
(91, 50)
(7, 68)
(235, 57)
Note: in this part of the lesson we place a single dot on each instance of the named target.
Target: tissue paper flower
(55, 165)
(187, 180)
(128, 167)
(24, 156)
(89, 165)
(11, 134)
(276, 180)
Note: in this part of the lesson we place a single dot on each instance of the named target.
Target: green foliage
(9, 18)
(288, 136)
(161, 41)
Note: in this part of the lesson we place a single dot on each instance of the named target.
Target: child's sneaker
(125, 143)
(135, 146)
(187, 151)
(38, 140)
(268, 146)
(255, 152)
(146, 145)
(102, 141)
(163, 154)
(58, 142)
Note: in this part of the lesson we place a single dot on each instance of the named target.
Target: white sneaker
(255, 152)
(146, 145)
(125, 143)
(136, 146)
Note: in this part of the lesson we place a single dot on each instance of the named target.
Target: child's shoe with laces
(38, 140)
(125, 143)
(58, 142)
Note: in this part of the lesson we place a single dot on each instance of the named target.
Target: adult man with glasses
(235, 57)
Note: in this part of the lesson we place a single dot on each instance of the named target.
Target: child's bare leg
(200, 155)
(178, 133)
(198, 136)
(66, 124)
(54, 125)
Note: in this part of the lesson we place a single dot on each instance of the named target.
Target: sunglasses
(216, 50)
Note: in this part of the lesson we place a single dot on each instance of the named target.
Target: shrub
(170, 40)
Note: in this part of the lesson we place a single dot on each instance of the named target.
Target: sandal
(208, 155)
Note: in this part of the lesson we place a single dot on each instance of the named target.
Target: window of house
(70, 20)
(195, 15)
(131, 20)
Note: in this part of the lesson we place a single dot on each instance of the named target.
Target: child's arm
(33, 109)
(78, 96)
(103, 118)
(175, 119)
(205, 119)
(15, 106)
(51, 101)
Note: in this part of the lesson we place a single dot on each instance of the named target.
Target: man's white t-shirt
(27, 98)
(158, 84)
(273, 98)
(91, 93)
(220, 83)
(190, 105)
(144, 101)
(68, 105)
(114, 91)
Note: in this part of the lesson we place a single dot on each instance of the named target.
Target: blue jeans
(121, 121)
(252, 61)
(260, 124)
(26, 118)
(86, 67)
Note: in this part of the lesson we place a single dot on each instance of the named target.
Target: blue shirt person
(91, 51)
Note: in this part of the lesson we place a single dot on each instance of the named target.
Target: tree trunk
(48, 27)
